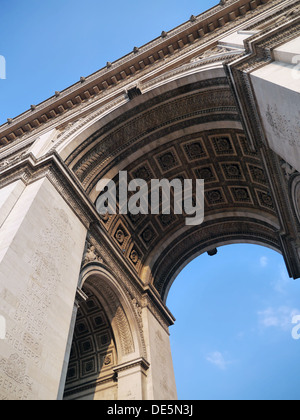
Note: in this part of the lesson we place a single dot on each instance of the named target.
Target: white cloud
(277, 317)
(216, 358)
(280, 284)
(263, 262)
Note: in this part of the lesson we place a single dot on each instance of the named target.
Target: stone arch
(163, 264)
(176, 108)
(184, 124)
(80, 136)
(106, 340)
(165, 273)
(118, 309)
(93, 356)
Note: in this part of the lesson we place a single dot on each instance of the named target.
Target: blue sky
(232, 338)
(49, 45)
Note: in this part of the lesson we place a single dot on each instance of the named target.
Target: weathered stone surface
(38, 280)
(83, 296)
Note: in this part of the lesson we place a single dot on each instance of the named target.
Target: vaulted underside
(184, 129)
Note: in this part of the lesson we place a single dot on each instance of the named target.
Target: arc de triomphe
(83, 296)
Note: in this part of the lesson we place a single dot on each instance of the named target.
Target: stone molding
(295, 195)
(179, 41)
(140, 362)
(259, 49)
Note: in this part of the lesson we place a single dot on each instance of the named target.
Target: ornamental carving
(92, 256)
(288, 170)
(134, 256)
(195, 150)
(296, 196)
(120, 236)
(215, 52)
(282, 127)
(223, 145)
(11, 160)
(181, 127)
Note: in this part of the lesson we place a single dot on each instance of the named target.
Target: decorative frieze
(88, 87)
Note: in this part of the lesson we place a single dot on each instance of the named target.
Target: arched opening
(232, 338)
(107, 352)
(186, 127)
(93, 354)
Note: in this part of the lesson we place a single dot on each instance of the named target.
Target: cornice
(175, 41)
(152, 300)
(26, 167)
(259, 53)
(79, 389)
(140, 362)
